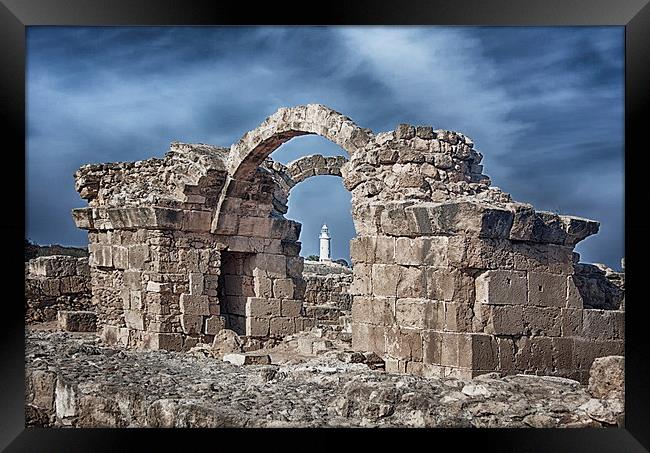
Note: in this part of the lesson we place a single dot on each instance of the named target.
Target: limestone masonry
(54, 283)
(451, 277)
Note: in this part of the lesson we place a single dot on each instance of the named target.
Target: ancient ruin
(451, 277)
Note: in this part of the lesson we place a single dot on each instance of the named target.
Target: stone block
(477, 253)
(359, 249)
(395, 366)
(484, 351)
(270, 265)
(263, 287)
(73, 284)
(533, 226)
(194, 305)
(166, 341)
(385, 278)
(411, 251)
(541, 354)
(83, 269)
(227, 224)
(281, 327)
(586, 351)
(372, 249)
(432, 347)
(157, 287)
(368, 337)
(544, 321)
(547, 290)
(290, 308)
(262, 307)
(305, 345)
(77, 321)
(373, 310)
(137, 256)
(283, 288)
(574, 299)
(100, 255)
(501, 287)
(132, 279)
(607, 377)
(419, 313)
(449, 349)
(449, 284)
(412, 283)
(290, 248)
(425, 132)
(461, 217)
(362, 282)
(135, 300)
(197, 220)
(83, 218)
(404, 131)
(571, 322)
(295, 266)
(563, 354)
(191, 324)
(577, 229)
(257, 327)
(53, 266)
(134, 319)
(503, 319)
(197, 283)
(603, 324)
(256, 227)
(458, 316)
(120, 257)
(403, 343)
(247, 358)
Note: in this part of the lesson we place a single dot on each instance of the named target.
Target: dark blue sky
(544, 105)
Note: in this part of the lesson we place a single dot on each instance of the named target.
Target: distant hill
(34, 250)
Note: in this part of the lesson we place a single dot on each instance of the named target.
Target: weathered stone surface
(498, 287)
(77, 321)
(247, 359)
(178, 389)
(607, 377)
(226, 341)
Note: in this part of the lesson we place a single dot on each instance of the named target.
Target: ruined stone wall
(54, 283)
(328, 284)
(327, 295)
(162, 279)
(451, 276)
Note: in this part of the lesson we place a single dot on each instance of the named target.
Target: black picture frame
(634, 15)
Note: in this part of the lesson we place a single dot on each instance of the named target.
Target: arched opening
(250, 217)
(322, 205)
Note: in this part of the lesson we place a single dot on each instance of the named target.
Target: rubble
(73, 380)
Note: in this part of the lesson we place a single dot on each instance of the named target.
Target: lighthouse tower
(325, 244)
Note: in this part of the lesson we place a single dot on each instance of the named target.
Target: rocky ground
(73, 380)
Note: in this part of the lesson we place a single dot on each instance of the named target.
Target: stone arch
(315, 165)
(254, 146)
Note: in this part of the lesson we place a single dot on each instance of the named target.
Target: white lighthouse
(325, 244)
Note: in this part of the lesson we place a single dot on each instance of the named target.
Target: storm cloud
(544, 105)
